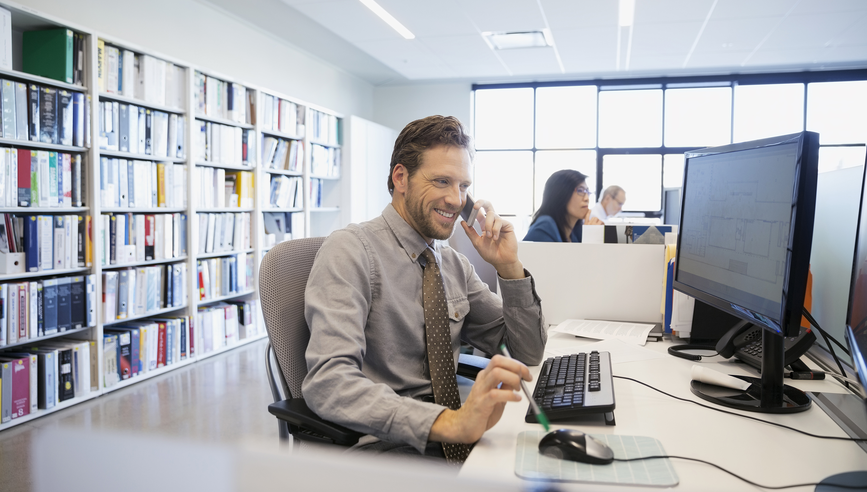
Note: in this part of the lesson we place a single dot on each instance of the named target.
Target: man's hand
(588, 220)
(497, 244)
(497, 384)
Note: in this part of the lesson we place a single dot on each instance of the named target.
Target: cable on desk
(828, 339)
(834, 438)
(770, 487)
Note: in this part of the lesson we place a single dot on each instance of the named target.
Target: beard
(427, 226)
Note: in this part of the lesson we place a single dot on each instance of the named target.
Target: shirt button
(456, 314)
(413, 255)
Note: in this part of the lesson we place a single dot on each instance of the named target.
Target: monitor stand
(767, 394)
(855, 479)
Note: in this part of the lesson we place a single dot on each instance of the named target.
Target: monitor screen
(856, 318)
(671, 212)
(746, 228)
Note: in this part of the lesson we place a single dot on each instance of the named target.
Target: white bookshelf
(317, 220)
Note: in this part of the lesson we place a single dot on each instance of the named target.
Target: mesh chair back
(283, 278)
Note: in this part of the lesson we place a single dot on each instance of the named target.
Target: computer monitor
(746, 229)
(856, 316)
(671, 210)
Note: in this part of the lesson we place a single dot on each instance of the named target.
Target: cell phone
(468, 212)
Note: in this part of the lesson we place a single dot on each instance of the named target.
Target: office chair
(283, 278)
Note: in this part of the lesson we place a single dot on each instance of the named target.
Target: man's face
(615, 203)
(437, 191)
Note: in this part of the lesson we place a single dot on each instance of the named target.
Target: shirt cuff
(519, 292)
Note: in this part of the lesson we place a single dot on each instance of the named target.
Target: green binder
(49, 53)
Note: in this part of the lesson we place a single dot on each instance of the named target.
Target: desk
(759, 452)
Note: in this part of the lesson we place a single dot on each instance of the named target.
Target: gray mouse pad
(531, 465)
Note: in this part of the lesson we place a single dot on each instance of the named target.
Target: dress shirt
(544, 230)
(599, 212)
(366, 356)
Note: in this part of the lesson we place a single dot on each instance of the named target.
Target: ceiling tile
(855, 35)
(432, 72)
(663, 39)
(725, 60)
(504, 15)
(655, 11)
(571, 14)
(746, 9)
(480, 70)
(826, 6)
(430, 18)
(808, 58)
(658, 63)
(815, 30)
(456, 50)
(531, 61)
(401, 54)
(720, 36)
(576, 45)
(349, 19)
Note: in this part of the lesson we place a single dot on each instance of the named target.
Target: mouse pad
(531, 465)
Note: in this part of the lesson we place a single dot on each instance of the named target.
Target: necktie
(441, 358)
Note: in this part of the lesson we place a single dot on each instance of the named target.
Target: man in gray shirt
(367, 356)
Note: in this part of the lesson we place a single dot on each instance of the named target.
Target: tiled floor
(222, 399)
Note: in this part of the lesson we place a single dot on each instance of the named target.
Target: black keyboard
(574, 385)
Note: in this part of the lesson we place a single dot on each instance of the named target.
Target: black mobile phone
(468, 212)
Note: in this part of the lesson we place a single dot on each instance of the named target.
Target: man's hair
(555, 198)
(424, 134)
(611, 191)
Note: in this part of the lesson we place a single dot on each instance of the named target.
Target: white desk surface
(759, 452)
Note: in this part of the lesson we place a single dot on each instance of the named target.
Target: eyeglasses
(584, 191)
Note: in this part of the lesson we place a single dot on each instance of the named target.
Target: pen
(540, 416)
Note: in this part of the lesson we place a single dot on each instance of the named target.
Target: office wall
(197, 33)
(396, 105)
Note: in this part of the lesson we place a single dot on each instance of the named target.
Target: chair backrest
(283, 278)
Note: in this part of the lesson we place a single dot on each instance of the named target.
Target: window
(630, 118)
(633, 133)
(766, 110)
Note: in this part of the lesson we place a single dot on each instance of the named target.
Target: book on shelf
(222, 99)
(49, 242)
(324, 161)
(223, 276)
(5, 39)
(286, 191)
(152, 80)
(223, 232)
(224, 144)
(49, 53)
(138, 130)
(127, 183)
(315, 192)
(140, 291)
(40, 178)
(282, 154)
(282, 115)
(325, 128)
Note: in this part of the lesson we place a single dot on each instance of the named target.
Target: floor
(200, 402)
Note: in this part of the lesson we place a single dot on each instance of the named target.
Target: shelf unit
(314, 221)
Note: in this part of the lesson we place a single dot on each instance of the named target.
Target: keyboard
(574, 385)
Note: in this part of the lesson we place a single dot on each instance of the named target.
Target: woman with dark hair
(565, 206)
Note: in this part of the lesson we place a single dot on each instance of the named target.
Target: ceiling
(668, 37)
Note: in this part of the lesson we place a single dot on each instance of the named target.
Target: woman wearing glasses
(565, 206)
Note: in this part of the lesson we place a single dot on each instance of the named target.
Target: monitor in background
(671, 212)
(744, 247)
(856, 316)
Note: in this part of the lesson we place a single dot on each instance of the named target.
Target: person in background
(565, 206)
(610, 204)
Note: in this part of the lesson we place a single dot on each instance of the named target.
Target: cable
(770, 487)
(834, 438)
(828, 339)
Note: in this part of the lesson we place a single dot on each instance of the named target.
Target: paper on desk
(621, 352)
(606, 330)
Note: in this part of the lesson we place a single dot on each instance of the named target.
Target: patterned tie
(441, 358)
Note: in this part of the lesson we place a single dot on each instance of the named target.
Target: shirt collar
(410, 240)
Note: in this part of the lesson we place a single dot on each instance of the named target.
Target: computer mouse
(574, 445)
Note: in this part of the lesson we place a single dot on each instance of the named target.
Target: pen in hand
(540, 416)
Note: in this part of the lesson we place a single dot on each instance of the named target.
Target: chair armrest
(470, 365)
(296, 413)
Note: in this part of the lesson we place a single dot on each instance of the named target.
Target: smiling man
(388, 305)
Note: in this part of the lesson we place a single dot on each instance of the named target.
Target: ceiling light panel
(388, 18)
(517, 40)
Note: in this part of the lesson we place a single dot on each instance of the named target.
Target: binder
(46, 359)
(64, 304)
(31, 243)
(46, 242)
(109, 295)
(123, 130)
(59, 236)
(48, 115)
(66, 385)
(49, 306)
(65, 118)
(49, 53)
(78, 302)
(78, 112)
(24, 176)
(122, 294)
(90, 300)
(7, 94)
(35, 112)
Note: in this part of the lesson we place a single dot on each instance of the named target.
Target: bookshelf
(150, 189)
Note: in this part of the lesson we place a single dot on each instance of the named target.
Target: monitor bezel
(788, 322)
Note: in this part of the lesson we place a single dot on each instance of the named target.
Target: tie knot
(429, 255)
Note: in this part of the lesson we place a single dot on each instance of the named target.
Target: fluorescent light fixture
(516, 40)
(391, 21)
(627, 13)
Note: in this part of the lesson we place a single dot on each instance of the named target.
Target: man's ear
(400, 178)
